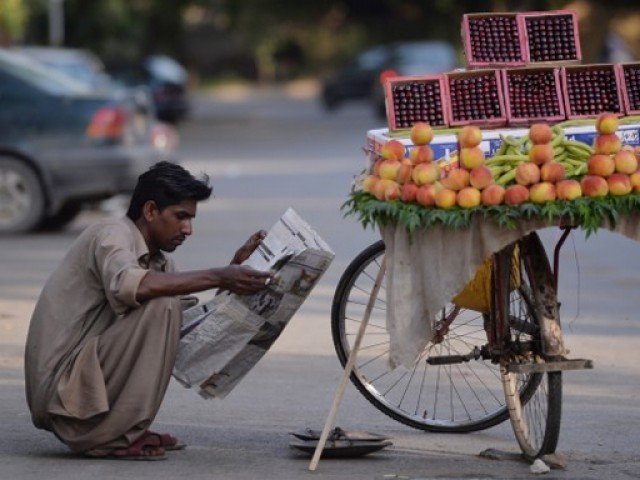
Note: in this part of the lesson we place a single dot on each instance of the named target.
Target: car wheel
(21, 197)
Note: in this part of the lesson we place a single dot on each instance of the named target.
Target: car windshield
(40, 76)
(416, 59)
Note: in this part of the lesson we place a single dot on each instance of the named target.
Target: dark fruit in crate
(533, 94)
(494, 39)
(551, 38)
(592, 90)
(417, 102)
(474, 97)
(632, 81)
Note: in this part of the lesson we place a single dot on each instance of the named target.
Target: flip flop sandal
(135, 451)
(167, 441)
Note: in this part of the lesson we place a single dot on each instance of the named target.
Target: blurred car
(166, 80)
(62, 145)
(360, 78)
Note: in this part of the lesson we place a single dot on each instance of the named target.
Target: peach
(421, 133)
(627, 148)
(607, 144)
(409, 192)
(426, 195)
(568, 189)
(492, 195)
(468, 197)
(542, 192)
(392, 191)
(516, 194)
(369, 183)
(607, 123)
(634, 179)
(421, 154)
(619, 184)
(376, 166)
(425, 173)
(480, 177)
(392, 150)
(602, 165)
(404, 172)
(389, 169)
(552, 172)
(527, 173)
(594, 186)
(471, 157)
(457, 179)
(379, 188)
(445, 198)
(626, 162)
(540, 133)
(540, 154)
(469, 137)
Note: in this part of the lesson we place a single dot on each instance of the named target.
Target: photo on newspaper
(222, 339)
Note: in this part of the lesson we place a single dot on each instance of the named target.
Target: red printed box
(533, 95)
(475, 98)
(551, 36)
(493, 40)
(629, 74)
(590, 90)
(414, 99)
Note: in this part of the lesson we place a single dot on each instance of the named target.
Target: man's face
(170, 227)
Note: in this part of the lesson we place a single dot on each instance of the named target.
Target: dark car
(62, 145)
(360, 78)
(166, 80)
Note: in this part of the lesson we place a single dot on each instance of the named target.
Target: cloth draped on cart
(425, 271)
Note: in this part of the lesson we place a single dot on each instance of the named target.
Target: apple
(552, 172)
(468, 197)
(469, 137)
(457, 179)
(392, 150)
(568, 189)
(409, 192)
(619, 184)
(424, 173)
(492, 195)
(540, 133)
(527, 173)
(607, 144)
(626, 162)
(540, 154)
(602, 165)
(607, 123)
(445, 198)
(421, 154)
(471, 157)
(594, 186)
(421, 133)
(516, 194)
(542, 192)
(480, 177)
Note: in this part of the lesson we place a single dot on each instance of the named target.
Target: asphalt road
(266, 151)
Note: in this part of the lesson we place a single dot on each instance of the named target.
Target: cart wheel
(536, 412)
(459, 397)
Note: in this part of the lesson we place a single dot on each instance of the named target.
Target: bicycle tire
(535, 412)
(462, 417)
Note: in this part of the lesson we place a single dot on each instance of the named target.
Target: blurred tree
(13, 18)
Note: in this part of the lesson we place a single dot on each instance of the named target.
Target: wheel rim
(15, 197)
(463, 397)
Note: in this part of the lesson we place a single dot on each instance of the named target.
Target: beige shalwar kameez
(97, 362)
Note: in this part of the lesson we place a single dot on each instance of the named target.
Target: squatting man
(103, 337)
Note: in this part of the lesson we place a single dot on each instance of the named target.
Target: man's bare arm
(235, 278)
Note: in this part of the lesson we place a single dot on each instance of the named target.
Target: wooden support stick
(347, 369)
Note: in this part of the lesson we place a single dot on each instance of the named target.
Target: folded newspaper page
(225, 337)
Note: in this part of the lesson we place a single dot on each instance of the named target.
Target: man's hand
(249, 246)
(243, 280)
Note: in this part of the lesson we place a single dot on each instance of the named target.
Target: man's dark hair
(167, 184)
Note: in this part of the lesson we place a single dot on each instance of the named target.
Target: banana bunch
(573, 155)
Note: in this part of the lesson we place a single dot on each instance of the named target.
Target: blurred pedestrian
(103, 337)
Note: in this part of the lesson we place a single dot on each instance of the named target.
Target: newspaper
(225, 337)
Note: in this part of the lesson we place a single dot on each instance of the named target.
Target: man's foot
(147, 447)
(167, 441)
